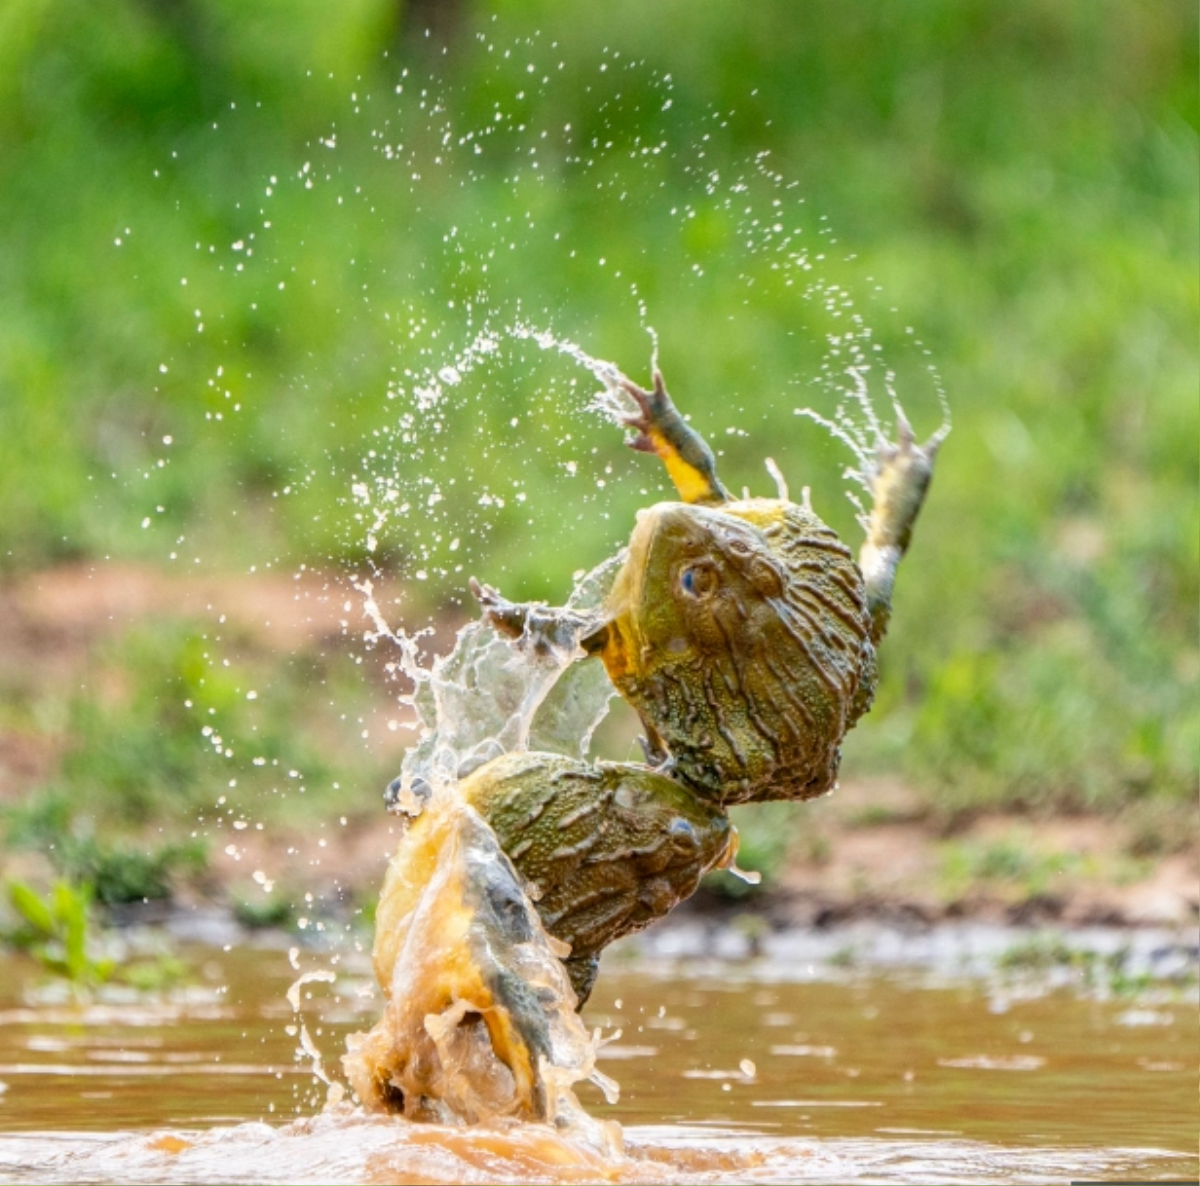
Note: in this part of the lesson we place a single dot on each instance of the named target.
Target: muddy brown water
(730, 1072)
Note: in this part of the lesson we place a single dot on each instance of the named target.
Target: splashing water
(455, 347)
(307, 1050)
(864, 434)
(489, 697)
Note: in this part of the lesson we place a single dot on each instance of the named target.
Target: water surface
(730, 1071)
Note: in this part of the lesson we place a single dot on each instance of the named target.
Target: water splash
(486, 696)
(480, 1021)
(489, 696)
(307, 1051)
(856, 424)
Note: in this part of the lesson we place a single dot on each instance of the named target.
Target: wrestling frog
(741, 630)
(479, 1022)
(744, 634)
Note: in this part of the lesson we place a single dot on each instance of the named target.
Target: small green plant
(365, 913)
(263, 912)
(877, 815)
(1010, 861)
(56, 932)
(119, 872)
(123, 873)
(1039, 953)
(846, 956)
(154, 975)
(1109, 972)
(755, 929)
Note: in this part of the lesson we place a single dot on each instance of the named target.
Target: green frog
(744, 634)
(741, 630)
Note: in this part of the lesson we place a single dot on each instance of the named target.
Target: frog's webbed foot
(652, 410)
(902, 473)
(544, 630)
(662, 430)
(504, 616)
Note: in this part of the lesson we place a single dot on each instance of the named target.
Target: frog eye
(698, 580)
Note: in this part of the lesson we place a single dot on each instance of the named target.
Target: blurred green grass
(1019, 179)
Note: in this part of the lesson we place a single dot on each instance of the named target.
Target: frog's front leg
(685, 453)
(545, 629)
(900, 480)
(604, 848)
(548, 631)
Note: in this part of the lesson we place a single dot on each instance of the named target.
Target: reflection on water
(729, 1073)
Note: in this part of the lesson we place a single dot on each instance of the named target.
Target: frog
(744, 633)
(479, 1008)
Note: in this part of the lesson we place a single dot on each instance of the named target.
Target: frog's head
(740, 634)
(695, 570)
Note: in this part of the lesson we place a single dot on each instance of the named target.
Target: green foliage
(116, 872)
(1019, 179)
(171, 726)
(56, 932)
(1014, 861)
(156, 975)
(145, 786)
(1047, 951)
(123, 874)
(258, 911)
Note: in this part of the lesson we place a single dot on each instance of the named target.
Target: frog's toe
(410, 802)
(904, 460)
(583, 970)
(902, 473)
(903, 470)
(652, 406)
(391, 796)
(487, 596)
(501, 614)
(656, 755)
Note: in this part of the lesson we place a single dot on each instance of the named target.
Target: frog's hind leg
(901, 478)
(604, 849)
(662, 430)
